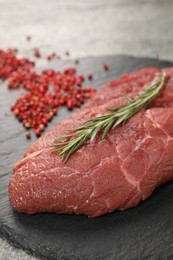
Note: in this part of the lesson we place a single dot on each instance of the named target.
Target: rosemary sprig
(68, 144)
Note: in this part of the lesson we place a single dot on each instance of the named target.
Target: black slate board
(144, 232)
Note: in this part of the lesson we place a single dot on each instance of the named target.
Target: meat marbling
(115, 173)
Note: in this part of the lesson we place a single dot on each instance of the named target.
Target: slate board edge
(119, 56)
(6, 234)
(18, 241)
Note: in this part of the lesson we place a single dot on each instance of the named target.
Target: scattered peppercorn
(105, 66)
(28, 135)
(67, 53)
(52, 56)
(37, 53)
(76, 61)
(49, 58)
(90, 76)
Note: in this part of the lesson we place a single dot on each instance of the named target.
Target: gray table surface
(85, 28)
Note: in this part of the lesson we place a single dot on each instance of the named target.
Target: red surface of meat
(105, 175)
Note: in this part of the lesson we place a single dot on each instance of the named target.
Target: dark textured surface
(145, 232)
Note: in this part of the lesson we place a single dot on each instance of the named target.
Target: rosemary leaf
(128, 98)
(108, 127)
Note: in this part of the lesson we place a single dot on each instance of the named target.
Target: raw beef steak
(106, 175)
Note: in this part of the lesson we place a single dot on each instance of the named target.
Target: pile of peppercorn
(45, 92)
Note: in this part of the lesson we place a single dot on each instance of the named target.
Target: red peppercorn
(37, 132)
(50, 73)
(49, 58)
(67, 53)
(78, 96)
(105, 66)
(61, 101)
(54, 111)
(20, 118)
(41, 127)
(76, 61)
(28, 135)
(78, 81)
(36, 53)
(69, 104)
(44, 121)
(81, 77)
(16, 112)
(90, 76)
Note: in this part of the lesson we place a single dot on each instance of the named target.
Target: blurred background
(85, 28)
(88, 27)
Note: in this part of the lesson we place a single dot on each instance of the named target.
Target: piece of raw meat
(106, 175)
